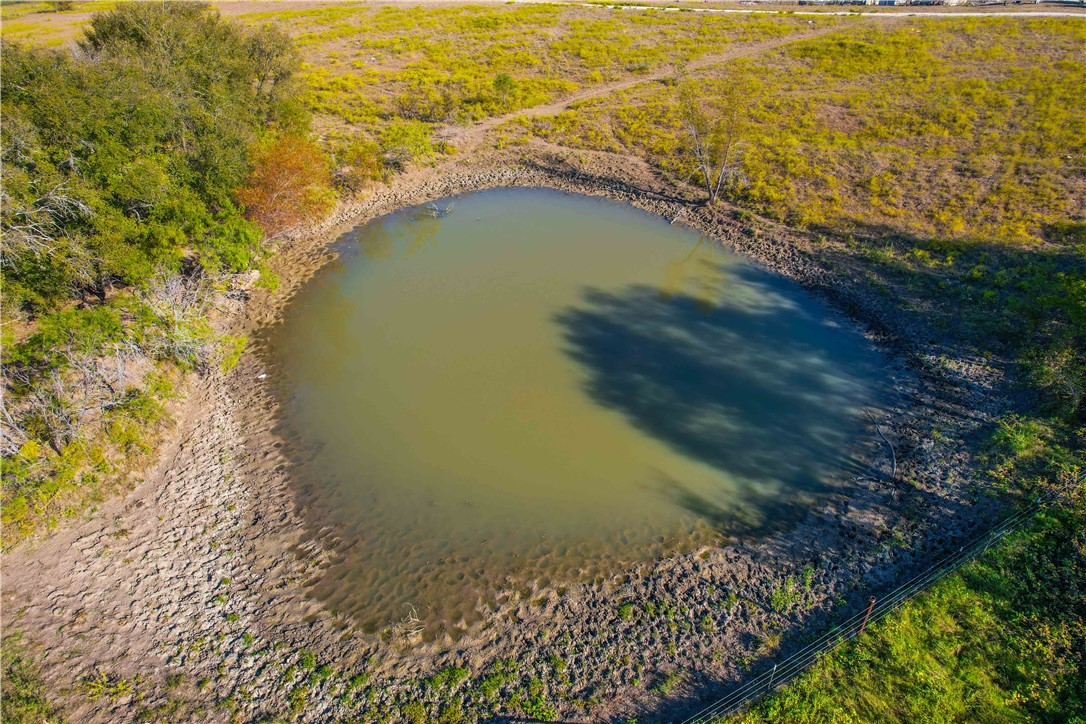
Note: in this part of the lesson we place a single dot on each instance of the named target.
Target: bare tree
(36, 228)
(715, 123)
(65, 399)
(181, 306)
(12, 432)
(59, 402)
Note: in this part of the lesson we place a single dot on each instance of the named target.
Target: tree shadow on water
(761, 385)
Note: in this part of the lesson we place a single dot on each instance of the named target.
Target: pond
(519, 387)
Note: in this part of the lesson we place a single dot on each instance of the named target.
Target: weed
(109, 686)
(667, 683)
(785, 596)
(808, 578)
(297, 698)
(448, 678)
(23, 696)
(307, 660)
(414, 712)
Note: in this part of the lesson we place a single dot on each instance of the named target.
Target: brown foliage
(289, 184)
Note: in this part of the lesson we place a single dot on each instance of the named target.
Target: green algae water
(535, 387)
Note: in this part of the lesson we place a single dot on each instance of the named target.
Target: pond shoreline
(201, 569)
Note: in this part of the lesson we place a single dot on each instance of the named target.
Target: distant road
(885, 12)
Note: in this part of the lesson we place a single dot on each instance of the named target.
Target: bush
(359, 162)
(233, 246)
(289, 184)
(23, 698)
(406, 141)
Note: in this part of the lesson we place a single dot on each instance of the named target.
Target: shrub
(23, 698)
(289, 184)
(359, 162)
(1017, 438)
(405, 141)
(232, 246)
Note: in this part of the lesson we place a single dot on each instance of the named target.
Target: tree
(715, 123)
(275, 61)
(504, 86)
(290, 183)
(122, 159)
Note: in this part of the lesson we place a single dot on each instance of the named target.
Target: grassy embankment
(1001, 640)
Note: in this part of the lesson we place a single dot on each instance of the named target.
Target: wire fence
(784, 671)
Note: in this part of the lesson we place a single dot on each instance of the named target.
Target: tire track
(472, 136)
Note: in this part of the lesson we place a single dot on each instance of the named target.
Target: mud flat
(190, 593)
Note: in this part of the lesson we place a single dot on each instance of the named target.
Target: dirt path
(471, 137)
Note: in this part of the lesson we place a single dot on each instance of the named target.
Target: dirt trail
(472, 136)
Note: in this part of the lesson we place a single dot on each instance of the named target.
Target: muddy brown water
(522, 387)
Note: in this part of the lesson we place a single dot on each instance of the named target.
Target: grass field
(962, 128)
(949, 129)
(999, 641)
(368, 67)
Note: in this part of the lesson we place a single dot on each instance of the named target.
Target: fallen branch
(893, 452)
(412, 624)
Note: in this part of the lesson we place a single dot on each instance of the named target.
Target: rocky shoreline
(189, 594)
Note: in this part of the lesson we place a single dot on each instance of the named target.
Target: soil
(192, 588)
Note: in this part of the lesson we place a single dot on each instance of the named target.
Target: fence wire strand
(784, 671)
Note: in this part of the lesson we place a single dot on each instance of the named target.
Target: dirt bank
(189, 594)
